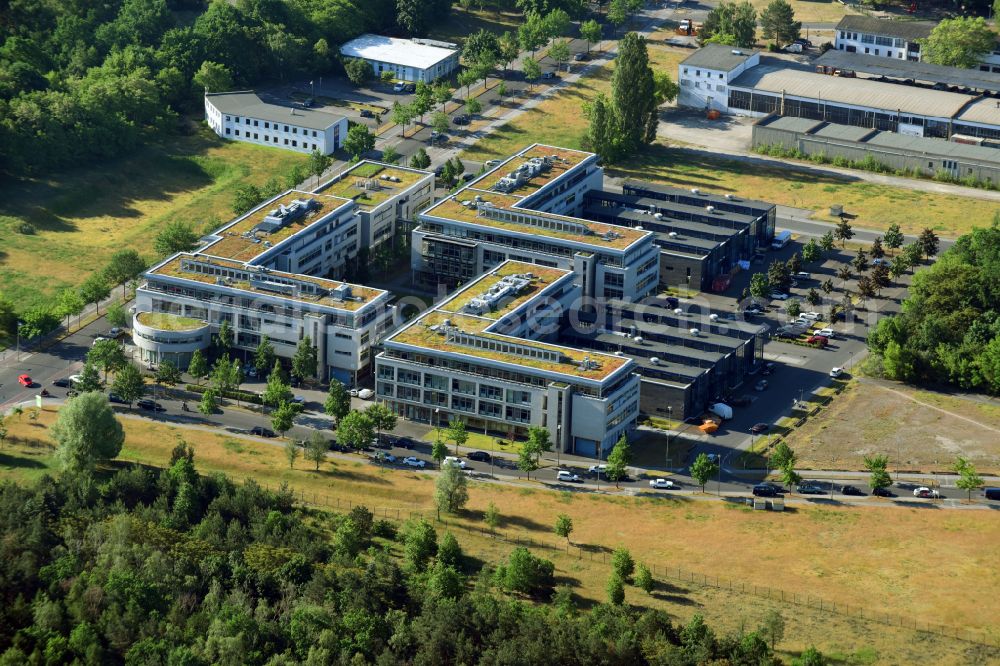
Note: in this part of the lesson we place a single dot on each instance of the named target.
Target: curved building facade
(160, 336)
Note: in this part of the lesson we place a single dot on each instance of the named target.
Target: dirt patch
(919, 430)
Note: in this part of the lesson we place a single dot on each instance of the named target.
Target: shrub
(243, 396)
(26, 228)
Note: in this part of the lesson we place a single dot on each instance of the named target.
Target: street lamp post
(670, 415)
(558, 444)
(17, 348)
(437, 422)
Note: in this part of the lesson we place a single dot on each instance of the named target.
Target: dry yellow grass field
(927, 565)
(83, 216)
(921, 430)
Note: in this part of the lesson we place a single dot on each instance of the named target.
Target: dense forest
(949, 329)
(148, 567)
(81, 81)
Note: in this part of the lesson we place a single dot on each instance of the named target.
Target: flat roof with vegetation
(370, 184)
(428, 331)
(169, 322)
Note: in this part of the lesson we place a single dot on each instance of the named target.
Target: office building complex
(490, 356)
(269, 273)
(527, 209)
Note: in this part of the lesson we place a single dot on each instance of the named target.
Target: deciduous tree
(355, 430)
(958, 42)
(86, 431)
(590, 31)
(338, 401)
(316, 448)
(129, 384)
(305, 362)
(451, 490)
(777, 22)
(563, 526)
(618, 460)
(282, 418)
(703, 469)
(360, 139)
(968, 478)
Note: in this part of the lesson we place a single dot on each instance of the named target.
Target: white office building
(704, 76)
(407, 59)
(489, 356)
(273, 271)
(526, 209)
(243, 116)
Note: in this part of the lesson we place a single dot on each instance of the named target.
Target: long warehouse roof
(906, 69)
(855, 92)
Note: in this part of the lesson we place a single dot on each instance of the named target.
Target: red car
(817, 340)
(25, 380)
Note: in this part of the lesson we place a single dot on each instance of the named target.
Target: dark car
(261, 431)
(365, 113)
(764, 490)
(62, 382)
(117, 399)
(811, 489)
(758, 428)
(768, 369)
(466, 177)
(548, 75)
(672, 301)
(439, 170)
(150, 405)
(852, 490)
(739, 401)
(410, 87)
(480, 456)
(338, 447)
(580, 57)
(883, 492)
(404, 442)
(461, 119)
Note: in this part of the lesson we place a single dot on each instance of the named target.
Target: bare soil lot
(923, 430)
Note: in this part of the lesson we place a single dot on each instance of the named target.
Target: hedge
(244, 396)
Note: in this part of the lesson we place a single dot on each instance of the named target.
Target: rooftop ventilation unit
(695, 332)
(639, 228)
(672, 234)
(638, 339)
(654, 361)
(658, 216)
(730, 197)
(710, 209)
(610, 235)
(695, 190)
(509, 285)
(713, 317)
(284, 215)
(737, 52)
(588, 364)
(341, 292)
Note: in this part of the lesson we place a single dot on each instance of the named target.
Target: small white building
(705, 75)
(407, 59)
(879, 37)
(243, 116)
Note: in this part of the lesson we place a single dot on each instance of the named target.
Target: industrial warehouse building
(243, 116)
(704, 238)
(408, 59)
(776, 86)
(896, 151)
(687, 359)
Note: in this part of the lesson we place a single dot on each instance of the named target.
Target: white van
(722, 410)
(781, 239)
(452, 460)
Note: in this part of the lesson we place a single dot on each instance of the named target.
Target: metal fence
(602, 556)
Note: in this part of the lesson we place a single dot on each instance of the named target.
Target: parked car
(764, 490)
(62, 382)
(761, 385)
(802, 275)
(817, 340)
(924, 491)
(880, 261)
(758, 428)
(261, 431)
(381, 457)
(793, 48)
(852, 490)
(662, 484)
(452, 460)
(769, 368)
(597, 469)
(353, 392)
(410, 87)
(883, 492)
(479, 456)
(580, 57)
(25, 380)
(99, 338)
(811, 316)
(461, 119)
(836, 372)
(548, 75)
(298, 400)
(150, 405)
(414, 462)
(75, 379)
(811, 489)
(799, 321)
(740, 401)
(489, 164)
(116, 399)
(366, 394)
(365, 113)
(779, 296)
(338, 447)
(826, 333)
(399, 87)
(405, 443)
(569, 477)
(466, 177)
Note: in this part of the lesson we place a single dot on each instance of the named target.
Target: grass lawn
(83, 216)
(560, 121)
(464, 22)
(892, 565)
